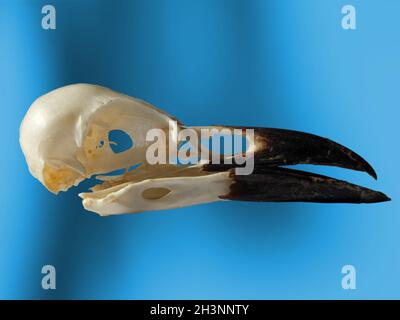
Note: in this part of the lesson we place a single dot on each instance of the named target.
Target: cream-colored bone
(64, 137)
(61, 131)
(166, 193)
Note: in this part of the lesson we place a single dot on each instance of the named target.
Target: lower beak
(288, 185)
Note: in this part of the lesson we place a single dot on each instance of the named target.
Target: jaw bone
(65, 139)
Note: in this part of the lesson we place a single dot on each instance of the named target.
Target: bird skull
(65, 139)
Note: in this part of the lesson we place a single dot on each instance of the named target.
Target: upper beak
(278, 147)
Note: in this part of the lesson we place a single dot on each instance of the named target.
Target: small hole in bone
(120, 141)
(155, 193)
(134, 167)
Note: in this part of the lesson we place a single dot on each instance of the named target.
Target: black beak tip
(368, 168)
(374, 197)
(384, 198)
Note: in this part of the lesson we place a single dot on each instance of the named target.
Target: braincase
(62, 113)
(71, 125)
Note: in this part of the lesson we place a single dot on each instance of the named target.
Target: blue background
(282, 63)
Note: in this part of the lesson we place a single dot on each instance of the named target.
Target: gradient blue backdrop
(282, 63)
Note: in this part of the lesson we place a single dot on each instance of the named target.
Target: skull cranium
(64, 137)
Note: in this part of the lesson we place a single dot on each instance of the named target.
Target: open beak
(270, 182)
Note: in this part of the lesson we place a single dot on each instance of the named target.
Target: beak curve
(290, 147)
(270, 182)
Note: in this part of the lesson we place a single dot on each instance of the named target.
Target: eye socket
(119, 141)
(155, 193)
